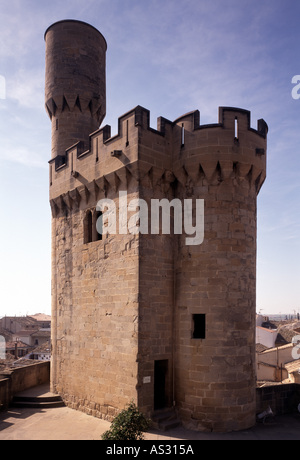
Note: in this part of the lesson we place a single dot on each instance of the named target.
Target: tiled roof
(260, 348)
(44, 348)
(41, 317)
(293, 366)
(41, 333)
(11, 345)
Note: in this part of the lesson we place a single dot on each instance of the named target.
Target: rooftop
(41, 317)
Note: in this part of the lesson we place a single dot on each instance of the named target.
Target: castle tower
(225, 166)
(75, 89)
(144, 315)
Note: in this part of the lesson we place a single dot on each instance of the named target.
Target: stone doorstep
(165, 419)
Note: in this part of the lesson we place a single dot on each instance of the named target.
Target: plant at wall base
(128, 425)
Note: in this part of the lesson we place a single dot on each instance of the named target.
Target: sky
(170, 57)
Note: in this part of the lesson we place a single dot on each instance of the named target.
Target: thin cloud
(23, 155)
(27, 87)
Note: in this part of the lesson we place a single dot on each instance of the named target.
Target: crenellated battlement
(190, 151)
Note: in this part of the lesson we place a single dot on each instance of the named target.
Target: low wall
(282, 399)
(22, 378)
(4, 392)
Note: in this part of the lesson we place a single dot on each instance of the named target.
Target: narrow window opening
(182, 135)
(56, 124)
(127, 134)
(89, 229)
(198, 331)
(97, 150)
(98, 235)
(236, 128)
(91, 233)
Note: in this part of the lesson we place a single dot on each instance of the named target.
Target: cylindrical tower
(75, 89)
(215, 282)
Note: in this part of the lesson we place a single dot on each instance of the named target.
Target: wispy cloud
(23, 155)
(27, 87)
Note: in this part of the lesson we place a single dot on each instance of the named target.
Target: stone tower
(75, 89)
(141, 315)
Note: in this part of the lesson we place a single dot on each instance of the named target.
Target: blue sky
(170, 57)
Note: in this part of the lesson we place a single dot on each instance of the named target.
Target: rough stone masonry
(146, 317)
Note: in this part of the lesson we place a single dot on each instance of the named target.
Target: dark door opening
(160, 377)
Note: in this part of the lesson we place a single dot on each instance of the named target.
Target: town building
(23, 333)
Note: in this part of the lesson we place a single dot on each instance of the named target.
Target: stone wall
(216, 279)
(94, 284)
(22, 378)
(283, 399)
(96, 308)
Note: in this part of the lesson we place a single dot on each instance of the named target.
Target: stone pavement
(63, 423)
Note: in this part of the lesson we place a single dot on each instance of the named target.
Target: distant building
(293, 370)
(271, 363)
(15, 324)
(41, 353)
(266, 336)
(18, 349)
(260, 319)
(33, 339)
(32, 331)
(43, 321)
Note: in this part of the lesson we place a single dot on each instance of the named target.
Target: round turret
(75, 89)
(224, 165)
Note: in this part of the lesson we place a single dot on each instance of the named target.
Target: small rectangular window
(198, 331)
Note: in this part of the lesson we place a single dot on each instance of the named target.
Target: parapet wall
(21, 379)
(283, 399)
(190, 151)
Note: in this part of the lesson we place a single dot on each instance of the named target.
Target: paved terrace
(63, 423)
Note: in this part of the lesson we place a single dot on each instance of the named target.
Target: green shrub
(129, 425)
